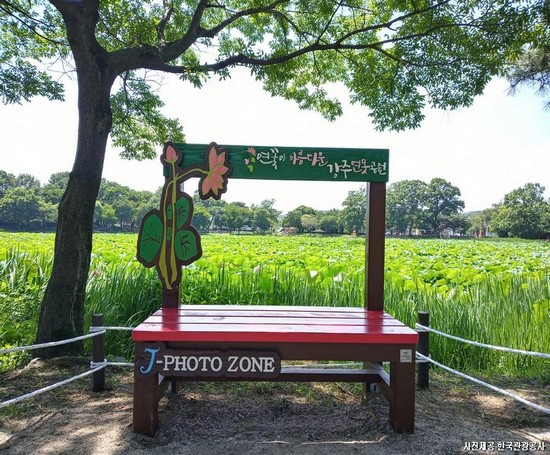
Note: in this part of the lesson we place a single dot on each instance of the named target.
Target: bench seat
(273, 324)
(294, 333)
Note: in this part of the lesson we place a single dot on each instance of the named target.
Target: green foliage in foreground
(497, 292)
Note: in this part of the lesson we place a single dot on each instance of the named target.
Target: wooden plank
(305, 375)
(373, 374)
(276, 334)
(272, 310)
(278, 325)
(268, 310)
(254, 320)
(272, 314)
(311, 351)
(230, 327)
(243, 323)
(250, 310)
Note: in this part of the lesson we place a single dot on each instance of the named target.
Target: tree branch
(7, 7)
(195, 31)
(173, 50)
(168, 9)
(338, 6)
(389, 24)
(151, 58)
(148, 56)
(210, 33)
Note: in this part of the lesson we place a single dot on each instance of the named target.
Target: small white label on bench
(406, 356)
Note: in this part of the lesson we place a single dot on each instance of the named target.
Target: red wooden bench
(216, 342)
(295, 333)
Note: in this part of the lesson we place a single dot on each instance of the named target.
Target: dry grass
(242, 418)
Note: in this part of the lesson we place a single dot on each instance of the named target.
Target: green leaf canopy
(395, 57)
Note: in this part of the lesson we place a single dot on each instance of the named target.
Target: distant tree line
(26, 204)
(435, 208)
(413, 208)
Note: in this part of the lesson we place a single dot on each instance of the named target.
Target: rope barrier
(483, 345)
(99, 328)
(48, 388)
(51, 343)
(112, 364)
(530, 404)
(97, 366)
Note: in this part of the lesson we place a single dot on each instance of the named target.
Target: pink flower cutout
(215, 181)
(170, 155)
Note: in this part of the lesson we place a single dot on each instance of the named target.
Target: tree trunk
(62, 310)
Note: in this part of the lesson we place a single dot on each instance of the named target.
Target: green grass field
(493, 291)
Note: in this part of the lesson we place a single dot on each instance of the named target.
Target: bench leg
(402, 400)
(145, 419)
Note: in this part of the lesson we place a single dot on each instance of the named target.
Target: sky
(500, 143)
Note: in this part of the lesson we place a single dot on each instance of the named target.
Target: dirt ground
(262, 418)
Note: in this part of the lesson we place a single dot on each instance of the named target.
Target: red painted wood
(218, 323)
(252, 320)
(280, 312)
(276, 337)
(265, 308)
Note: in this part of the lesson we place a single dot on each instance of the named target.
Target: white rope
(95, 366)
(107, 363)
(538, 407)
(51, 343)
(99, 328)
(483, 345)
(50, 387)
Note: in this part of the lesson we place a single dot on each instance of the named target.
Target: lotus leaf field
(492, 291)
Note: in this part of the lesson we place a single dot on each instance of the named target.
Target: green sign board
(297, 163)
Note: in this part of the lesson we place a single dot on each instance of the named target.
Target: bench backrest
(167, 241)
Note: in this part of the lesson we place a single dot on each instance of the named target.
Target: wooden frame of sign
(216, 342)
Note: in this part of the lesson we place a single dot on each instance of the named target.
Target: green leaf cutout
(169, 212)
(183, 210)
(150, 238)
(187, 246)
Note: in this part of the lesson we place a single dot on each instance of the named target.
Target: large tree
(265, 215)
(524, 212)
(396, 57)
(442, 202)
(405, 205)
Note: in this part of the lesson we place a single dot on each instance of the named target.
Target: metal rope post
(98, 355)
(423, 367)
